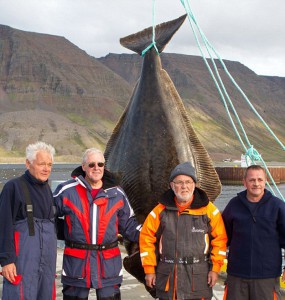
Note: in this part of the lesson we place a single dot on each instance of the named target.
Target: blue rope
(250, 151)
(253, 154)
(191, 17)
(153, 44)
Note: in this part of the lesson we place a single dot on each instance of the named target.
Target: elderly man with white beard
(183, 240)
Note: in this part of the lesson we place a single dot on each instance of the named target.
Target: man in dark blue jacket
(27, 230)
(255, 225)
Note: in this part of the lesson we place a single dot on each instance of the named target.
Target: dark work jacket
(34, 255)
(255, 238)
(13, 209)
(178, 239)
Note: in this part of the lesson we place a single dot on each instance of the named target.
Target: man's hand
(212, 278)
(150, 280)
(9, 272)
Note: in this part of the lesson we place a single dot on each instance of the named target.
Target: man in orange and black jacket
(183, 240)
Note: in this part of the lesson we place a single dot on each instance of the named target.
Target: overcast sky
(249, 31)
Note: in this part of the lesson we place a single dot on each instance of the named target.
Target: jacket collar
(34, 180)
(267, 195)
(200, 198)
(109, 180)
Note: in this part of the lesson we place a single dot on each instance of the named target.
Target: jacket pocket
(163, 274)
(112, 263)
(200, 277)
(74, 261)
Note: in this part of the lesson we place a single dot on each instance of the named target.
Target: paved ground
(131, 289)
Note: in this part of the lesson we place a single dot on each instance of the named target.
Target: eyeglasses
(93, 164)
(180, 183)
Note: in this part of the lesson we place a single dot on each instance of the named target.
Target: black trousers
(251, 289)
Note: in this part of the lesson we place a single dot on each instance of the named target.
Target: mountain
(53, 91)
(206, 109)
(46, 77)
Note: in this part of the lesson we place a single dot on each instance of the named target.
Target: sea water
(62, 172)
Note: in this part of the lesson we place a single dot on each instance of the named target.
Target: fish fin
(208, 179)
(117, 129)
(163, 33)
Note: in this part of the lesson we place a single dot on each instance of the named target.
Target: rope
(247, 146)
(153, 44)
(191, 17)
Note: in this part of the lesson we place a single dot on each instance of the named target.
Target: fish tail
(139, 41)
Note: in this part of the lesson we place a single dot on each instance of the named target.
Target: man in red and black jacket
(95, 211)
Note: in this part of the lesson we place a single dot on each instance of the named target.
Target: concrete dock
(131, 289)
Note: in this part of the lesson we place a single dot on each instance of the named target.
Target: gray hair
(33, 149)
(91, 151)
(254, 167)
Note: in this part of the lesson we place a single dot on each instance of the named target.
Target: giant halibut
(154, 134)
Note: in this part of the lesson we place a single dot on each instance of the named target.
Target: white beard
(185, 197)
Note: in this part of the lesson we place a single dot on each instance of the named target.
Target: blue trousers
(78, 293)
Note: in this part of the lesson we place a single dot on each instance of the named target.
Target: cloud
(250, 32)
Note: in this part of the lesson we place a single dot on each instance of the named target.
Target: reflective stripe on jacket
(93, 221)
(171, 242)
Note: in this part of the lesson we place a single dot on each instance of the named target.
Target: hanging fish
(154, 134)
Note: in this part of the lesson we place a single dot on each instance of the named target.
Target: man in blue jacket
(27, 230)
(255, 225)
(95, 211)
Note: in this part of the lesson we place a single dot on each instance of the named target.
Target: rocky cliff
(206, 108)
(41, 74)
(53, 91)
